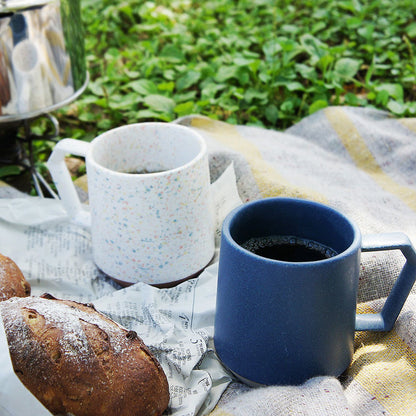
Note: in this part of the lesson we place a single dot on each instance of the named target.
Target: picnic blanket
(363, 163)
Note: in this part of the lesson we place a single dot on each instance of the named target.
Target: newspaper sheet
(177, 324)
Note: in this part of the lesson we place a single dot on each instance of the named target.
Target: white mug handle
(63, 181)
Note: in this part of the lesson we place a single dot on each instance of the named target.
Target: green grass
(259, 62)
(253, 62)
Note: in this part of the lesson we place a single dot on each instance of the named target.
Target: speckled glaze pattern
(150, 227)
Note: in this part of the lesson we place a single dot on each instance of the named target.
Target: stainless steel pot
(42, 57)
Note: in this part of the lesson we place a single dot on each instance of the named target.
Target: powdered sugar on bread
(76, 360)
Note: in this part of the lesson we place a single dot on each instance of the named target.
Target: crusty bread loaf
(76, 360)
(12, 281)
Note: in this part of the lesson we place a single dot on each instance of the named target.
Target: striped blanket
(363, 163)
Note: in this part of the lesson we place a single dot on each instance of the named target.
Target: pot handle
(63, 181)
(384, 320)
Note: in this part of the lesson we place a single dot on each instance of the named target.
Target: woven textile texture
(363, 163)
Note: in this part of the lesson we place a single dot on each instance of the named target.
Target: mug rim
(349, 250)
(198, 137)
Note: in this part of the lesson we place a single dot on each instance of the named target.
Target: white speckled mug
(150, 207)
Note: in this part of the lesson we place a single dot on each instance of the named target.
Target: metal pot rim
(14, 5)
(56, 106)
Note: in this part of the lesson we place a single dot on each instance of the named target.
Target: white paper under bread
(177, 324)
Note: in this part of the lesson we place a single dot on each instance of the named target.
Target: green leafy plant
(258, 62)
(250, 62)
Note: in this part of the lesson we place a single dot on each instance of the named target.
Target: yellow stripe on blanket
(82, 183)
(268, 179)
(385, 366)
(409, 123)
(358, 150)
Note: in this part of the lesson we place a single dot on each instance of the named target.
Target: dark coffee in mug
(288, 248)
(145, 171)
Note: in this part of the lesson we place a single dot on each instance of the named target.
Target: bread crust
(12, 280)
(76, 360)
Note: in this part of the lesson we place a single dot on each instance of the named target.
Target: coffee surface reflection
(288, 248)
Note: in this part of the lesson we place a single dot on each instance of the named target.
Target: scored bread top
(76, 360)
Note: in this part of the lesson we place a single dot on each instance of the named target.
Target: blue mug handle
(384, 320)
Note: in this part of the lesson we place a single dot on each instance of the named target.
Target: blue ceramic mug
(287, 290)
